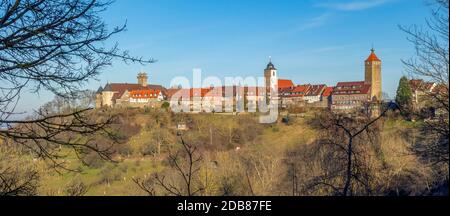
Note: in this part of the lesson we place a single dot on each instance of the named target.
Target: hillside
(238, 157)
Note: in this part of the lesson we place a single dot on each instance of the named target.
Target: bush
(165, 105)
(109, 174)
(93, 160)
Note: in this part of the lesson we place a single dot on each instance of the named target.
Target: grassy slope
(116, 178)
(118, 181)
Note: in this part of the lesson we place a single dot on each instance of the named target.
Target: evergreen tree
(404, 93)
(165, 105)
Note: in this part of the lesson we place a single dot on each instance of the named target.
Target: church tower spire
(270, 75)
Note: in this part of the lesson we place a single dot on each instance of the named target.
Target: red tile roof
(146, 93)
(420, 85)
(255, 91)
(282, 83)
(315, 90)
(216, 91)
(441, 88)
(120, 88)
(346, 88)
(301, 89)
(298, 91)
(328, 91)
(372, 57)
(199, 92)
(194, 92)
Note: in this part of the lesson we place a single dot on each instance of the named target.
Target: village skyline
(306, 41)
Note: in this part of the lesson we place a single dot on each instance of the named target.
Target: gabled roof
(99, 90)
(346, 88)
(420, 85)
(440, 88)
(316, 90)
(185, 93)
(284, 83)
(302, 89)
(298, 91)
(328, 91)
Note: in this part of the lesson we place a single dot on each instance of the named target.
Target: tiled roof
(185, 93)
(328, 91)
(373, 57)
(302, 89)
(346, 88)
(120, 88)
(193, 92)
(283, 83)
(216, 91)
(441, 88)
(420, 85)
(170, 92)
(147, 93)
(255, 91)
(199, 92)
(99, 90)
(298, 91)
(316, 90)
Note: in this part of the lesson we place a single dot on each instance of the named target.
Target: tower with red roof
(373, 75)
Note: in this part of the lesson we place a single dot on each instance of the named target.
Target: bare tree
(186, 164)
(15, 183)
(76, 189)
(342, 150)
(56, 46)
(431, 62)
(76, 131)
(147, 185)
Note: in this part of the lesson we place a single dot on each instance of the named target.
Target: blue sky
(310, 41)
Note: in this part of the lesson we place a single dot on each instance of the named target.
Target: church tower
(142, 79)
(373, 75)
(270, 75)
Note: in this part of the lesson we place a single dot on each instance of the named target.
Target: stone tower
(99, 98)
(142, 79)
(270, 76)
(373, 75)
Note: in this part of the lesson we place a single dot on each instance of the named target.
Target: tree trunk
(349, 167)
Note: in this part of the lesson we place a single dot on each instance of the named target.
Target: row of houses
(345, 96)
(308, 95)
